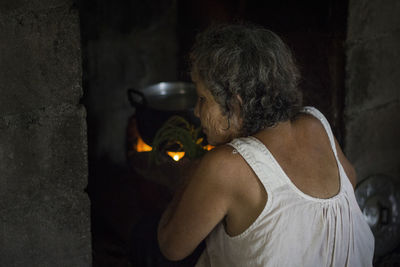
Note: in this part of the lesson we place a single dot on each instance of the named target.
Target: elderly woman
(277, 189)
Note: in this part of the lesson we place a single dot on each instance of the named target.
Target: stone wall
(44, 211)
(372, 106)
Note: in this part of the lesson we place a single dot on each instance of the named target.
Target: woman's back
(298, 206)
(303, 150)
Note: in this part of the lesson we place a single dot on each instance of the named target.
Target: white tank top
(294, 229)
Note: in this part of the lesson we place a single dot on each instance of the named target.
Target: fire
(176, 155)
(141, 146)
(208, 147)
(138, 145)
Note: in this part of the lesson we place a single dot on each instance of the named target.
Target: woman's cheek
(209, 122)
(219, 126)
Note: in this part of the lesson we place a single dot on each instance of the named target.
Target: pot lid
(168, 96)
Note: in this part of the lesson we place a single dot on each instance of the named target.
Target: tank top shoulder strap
(260, 160)
(344, 180)
(317, 114)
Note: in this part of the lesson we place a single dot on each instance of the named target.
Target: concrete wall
(44, 211)
(372, 106)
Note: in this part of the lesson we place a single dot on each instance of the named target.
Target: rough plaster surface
(371, 19)
(373, 73)
(18, 6)
(44, 211)
(373, 144)
(372, 119)
(40, 54)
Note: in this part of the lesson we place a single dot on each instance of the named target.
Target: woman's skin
(224, 188)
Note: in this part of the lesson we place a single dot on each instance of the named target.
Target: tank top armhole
(237, 145)
(344, 179)
(317, 114)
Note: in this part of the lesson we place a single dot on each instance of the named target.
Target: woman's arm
(199, 206)
(347, 166)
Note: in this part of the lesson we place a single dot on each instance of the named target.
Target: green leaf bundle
(177, 132)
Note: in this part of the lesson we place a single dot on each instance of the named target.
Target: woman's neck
(281, 133)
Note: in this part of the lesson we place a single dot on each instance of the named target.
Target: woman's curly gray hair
(256, 65)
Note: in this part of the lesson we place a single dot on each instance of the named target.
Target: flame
(208, 147)
(141, 146)
(176, 155)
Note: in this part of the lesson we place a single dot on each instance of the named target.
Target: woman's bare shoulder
(223, 161)
(309, 121)
(227, 170)
(311, 127)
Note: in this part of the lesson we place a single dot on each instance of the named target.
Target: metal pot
(155, 104)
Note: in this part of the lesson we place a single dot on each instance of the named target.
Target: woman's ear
(237, 114)
(239, 99)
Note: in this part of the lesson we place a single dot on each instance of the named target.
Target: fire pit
(157, 104)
